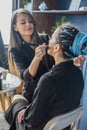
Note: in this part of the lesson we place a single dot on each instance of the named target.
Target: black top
(57, 92)
(23, 57)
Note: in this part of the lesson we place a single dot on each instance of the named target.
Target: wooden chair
(64, 120)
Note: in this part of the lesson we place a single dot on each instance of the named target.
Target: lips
(29, 29)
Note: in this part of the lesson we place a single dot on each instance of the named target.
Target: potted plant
(25, 2)
(27, 5)
(59, 22)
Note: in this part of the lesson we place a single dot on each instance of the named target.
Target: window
(5, 16)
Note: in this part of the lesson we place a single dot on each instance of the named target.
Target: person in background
(58, 91)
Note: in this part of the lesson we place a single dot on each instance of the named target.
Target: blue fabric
(77, 44)
(82, 124)
(67, 31)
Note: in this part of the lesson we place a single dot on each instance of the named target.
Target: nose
(28, 23)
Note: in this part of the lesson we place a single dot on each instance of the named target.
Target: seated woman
(58, 91)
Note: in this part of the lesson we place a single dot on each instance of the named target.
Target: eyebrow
(22, 19)
(25, 20)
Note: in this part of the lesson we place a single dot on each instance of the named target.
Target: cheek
(32, 26)
(50, 50)
(19, 28)
(21, 31)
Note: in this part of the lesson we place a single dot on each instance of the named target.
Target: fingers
(82, 57)
(41, 48)
(40, 51)
(21, 115)
(79, 61)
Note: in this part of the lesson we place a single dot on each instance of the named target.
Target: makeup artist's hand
(40, 51)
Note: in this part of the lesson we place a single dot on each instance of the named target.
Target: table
(10, 83)
(9, 86)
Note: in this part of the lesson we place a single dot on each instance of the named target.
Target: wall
(80, 20)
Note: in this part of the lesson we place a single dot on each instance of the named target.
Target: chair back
(64, 120)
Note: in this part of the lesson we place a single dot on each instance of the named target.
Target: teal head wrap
(77, 47)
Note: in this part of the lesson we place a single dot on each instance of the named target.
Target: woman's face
(24, 25)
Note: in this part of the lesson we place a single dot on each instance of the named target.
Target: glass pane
(5, 16)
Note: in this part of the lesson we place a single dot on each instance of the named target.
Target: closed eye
(23, 23)
(26, 22)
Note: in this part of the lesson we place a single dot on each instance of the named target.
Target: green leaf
(59, 22)
(25, 2)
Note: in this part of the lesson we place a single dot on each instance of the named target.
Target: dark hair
(15, 38)
(65, 35)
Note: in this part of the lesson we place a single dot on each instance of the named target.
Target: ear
(15, 28)
(57, 47)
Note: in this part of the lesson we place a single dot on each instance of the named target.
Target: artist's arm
(28, 69)
(40, 51)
